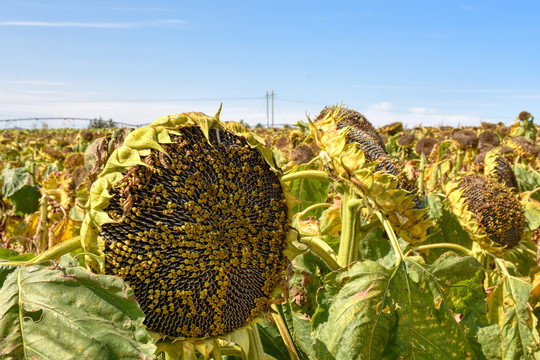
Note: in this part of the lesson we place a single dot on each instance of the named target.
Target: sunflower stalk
(256, 350)
(284, 332)
(433, 181)
(459, 160)
(421, 179)
(320, 248)
(453, 246)
(42, 230)
(348, 245)
(306, 174)
(216, 351)
(392, 236)
(53, 253)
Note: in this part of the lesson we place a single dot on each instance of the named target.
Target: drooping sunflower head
(406, 140)
(499, 169)
(465, 139)
(358, 125)
(525, 147)
(190, 212)
(357, 157)
(488, 211)
(425, 145)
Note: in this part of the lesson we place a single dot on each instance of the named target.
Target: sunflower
(191, 213)
(357, 157)
(489, 211)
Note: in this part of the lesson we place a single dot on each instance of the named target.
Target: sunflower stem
(313, 207)
(256, 350)
(284, 332)
(500, 264)
(392, 236)
(441, 246)
(216, 351)
(306, 174)
(42, 229)
(53, 253)
(421, 179)
(459, 160)
(320, 248)
(348, 244)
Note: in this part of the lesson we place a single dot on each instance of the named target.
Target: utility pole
(272, 108)
(267, 118)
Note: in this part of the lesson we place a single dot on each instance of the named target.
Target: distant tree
(258, 126)
(244, 123)
(101, 124)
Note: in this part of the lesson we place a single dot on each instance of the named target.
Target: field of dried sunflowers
(191, 238)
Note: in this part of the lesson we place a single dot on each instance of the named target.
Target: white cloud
(383, 113)
(113, 25)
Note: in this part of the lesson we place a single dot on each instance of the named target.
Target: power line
(64, 119)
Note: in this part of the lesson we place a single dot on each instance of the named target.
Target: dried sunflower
(191, 213)
(357, 157)
(498, 168)
(488, 211)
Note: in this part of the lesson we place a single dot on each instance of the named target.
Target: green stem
(392, 236)
(459, 160)
(501, 266)
(313, 207)
(349, 216)
(434, 175)
(42, 228)
(216, 351)
(322, 250)
(440, 246)
(231, 350)
(306, 174)
(256, 350)
(55, 252)
(421, 179)
(284, 332)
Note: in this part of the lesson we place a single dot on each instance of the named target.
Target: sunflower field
(192, 238)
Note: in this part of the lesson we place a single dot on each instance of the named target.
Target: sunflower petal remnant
(190, 212)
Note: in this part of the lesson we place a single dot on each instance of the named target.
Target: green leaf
(367, 311)
(26, 200)
(302, 303)
(509, 308)
(13, 179)
(11, 255)
(528, 179)
(272, 342)
(447, 228)
(57, 313)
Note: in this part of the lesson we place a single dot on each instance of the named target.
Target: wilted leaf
(367, 311)
(65, 229)
(48, 313)
(303, 285)
(13, 179)
(509, 307)
(26, 200)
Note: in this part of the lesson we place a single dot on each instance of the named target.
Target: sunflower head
(190, 212)
(524, 147)
(357, 158)
(488, 211)
(465, 139)
(499, 169)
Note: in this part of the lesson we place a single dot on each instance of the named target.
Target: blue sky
(420, 62)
